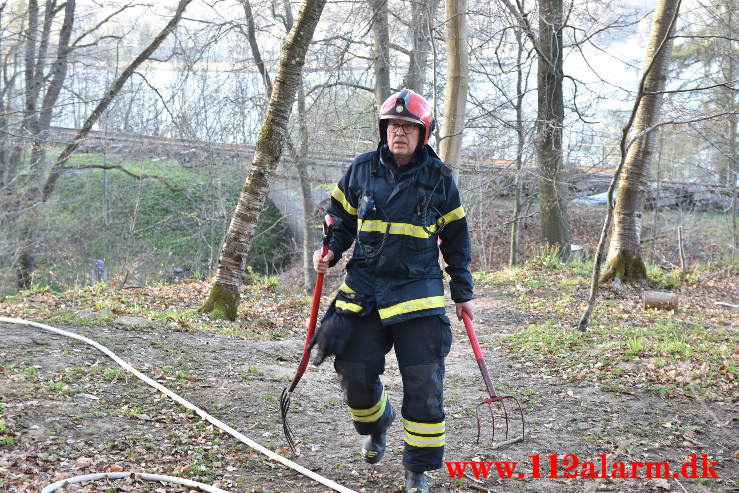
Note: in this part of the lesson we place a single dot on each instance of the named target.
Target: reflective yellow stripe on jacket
(350, 307)
(371, 414)
(377, 226)
(345, 288)
(345, 305)
(451, 216)
(424, 434)
(341, 199)
(412, 306)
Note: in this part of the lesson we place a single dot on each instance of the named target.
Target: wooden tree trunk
(306, 195)
(550, 119)
(422, 15)
(520, 142)
(729, 170)
(663, 17)
(380, 50)
(11, 149)
(624, 260)
(5, 141)
(224, 296)
(32, 86)
(455, 93)
(732, 166)
(37, 121)
(251, 34)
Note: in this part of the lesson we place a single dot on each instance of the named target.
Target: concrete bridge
(495, 176)
(324, 168)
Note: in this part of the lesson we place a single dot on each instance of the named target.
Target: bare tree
(521, 83)
(37, 120)
(42, 92)
(60, 165)
(652, 79)
(624, 259)
(300, 158)
(251, 32)
(224, 295)
(704, 52)
(422, 17)
(455, 93)
(549, 122)
(380, 50)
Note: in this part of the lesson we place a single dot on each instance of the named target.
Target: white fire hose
(223, 426)
(133, 475)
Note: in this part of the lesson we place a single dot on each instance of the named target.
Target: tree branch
(677, 122)
(692, 89)
(335, 84)
(97, 41)
(113, 90)
(705, 36)
(123, 170)
(97, 26)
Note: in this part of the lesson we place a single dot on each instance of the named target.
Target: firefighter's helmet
(409, 106)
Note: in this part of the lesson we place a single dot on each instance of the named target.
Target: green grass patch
(174, 307)
(671, 279)
(6, 435)
(624, 348)
(670, 358)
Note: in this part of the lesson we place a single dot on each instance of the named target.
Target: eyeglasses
(407, 127)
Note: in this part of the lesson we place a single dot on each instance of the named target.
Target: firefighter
(399, 205)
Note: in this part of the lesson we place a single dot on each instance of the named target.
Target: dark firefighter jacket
(396, 215)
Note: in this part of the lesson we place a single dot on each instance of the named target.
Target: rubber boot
(416, 482)
(373, 448)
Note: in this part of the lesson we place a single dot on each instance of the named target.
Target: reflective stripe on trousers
(421, 344)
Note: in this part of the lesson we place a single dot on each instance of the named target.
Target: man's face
(402, 139)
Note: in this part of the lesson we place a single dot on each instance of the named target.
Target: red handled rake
(493, 396)
(285, 398)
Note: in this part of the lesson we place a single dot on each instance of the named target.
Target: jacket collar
(419, 159)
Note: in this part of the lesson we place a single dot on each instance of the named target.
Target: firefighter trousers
(421, 344)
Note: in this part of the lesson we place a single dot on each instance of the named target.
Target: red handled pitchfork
(493, 396)
(285, 399)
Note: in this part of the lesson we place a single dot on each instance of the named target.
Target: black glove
(331, 336)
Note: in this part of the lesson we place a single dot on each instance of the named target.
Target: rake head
(516, 417)
(285, 400)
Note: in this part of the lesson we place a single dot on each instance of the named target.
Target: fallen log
(660, 300)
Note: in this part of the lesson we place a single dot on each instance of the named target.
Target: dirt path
(72, 412)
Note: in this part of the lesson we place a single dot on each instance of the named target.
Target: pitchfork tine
(477, 415)
(520, 411)
(284, 408)
(492, 417)
(505, 416)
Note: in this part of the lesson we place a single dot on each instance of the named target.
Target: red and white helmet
(409, 106)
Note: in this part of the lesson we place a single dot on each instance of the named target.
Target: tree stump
(660, 300)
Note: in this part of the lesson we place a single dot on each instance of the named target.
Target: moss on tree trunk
(222, 303)
(626, 267)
